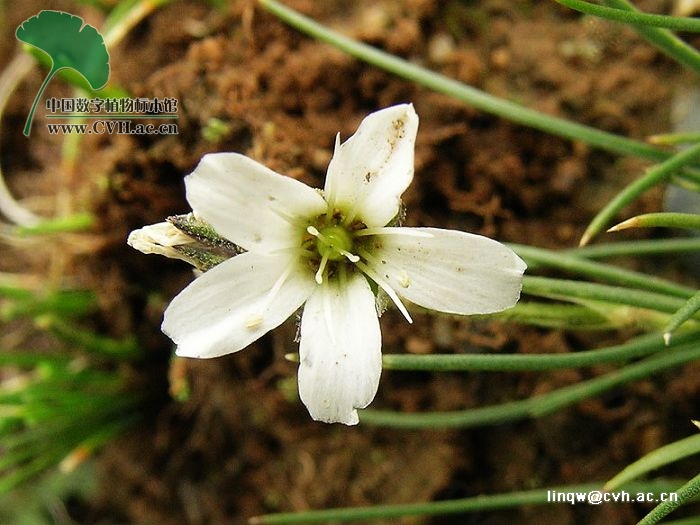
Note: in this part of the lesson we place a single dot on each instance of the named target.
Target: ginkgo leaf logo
(70, 43)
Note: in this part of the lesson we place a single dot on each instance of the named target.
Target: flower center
(334, 242)
(329, 247)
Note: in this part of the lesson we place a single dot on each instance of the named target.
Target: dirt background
(241, 444)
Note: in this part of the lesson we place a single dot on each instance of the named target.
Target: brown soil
(239, 446)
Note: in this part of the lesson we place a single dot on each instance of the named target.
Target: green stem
(622, 14)
(686, 221)
(462, 92)
(536, 406)
(122, 350)
(27, 471)
(570, 262)
(480, 503)
(675, 139)
(62, 303)
(15, 292)
(662, 39)
(654, 176)
(572, 290)
(125, 16)
(687, 492)
(682, 315)
(556, 315)
(638, 248)
(660, 457)
(640, 347)
(29, 358)
(76, 222)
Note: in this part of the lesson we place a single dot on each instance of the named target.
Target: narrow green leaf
(686, 493)
(657, 458)
(654, 176)
(573, 261)
(576, 291)
(15, 292)
(640, 248)
(125, 15)
(662, 39)
(126, 349)
(536, 406)
(62, 302)
(683, 314)
(686, 221)
(72, 223)
(30, 359)
(480, 503)
(462, 92)
(674, 139)
(634, 349)
(627, 16)
(550, 315)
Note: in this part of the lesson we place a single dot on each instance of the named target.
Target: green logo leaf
(70, 43)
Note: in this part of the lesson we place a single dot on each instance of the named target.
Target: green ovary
(333, 242)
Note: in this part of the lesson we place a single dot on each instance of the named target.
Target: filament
(392, 230)
(386, 287)
(321, 268)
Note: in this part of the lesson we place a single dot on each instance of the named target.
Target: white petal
(235, 303)
(249, 204)
(451, 271)
(370, 171)
(340, 351)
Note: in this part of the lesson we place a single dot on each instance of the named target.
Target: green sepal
(208, 248)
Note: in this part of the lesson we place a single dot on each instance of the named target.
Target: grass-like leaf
(541, 405)
(654, 176)
(687, 221)
(655, 459)
(688, 310)
(479, 503)
(686, 493)
(627, 16)
(634, 349)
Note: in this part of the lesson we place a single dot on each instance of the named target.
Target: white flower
(330, 251)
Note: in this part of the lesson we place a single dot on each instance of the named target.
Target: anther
(351, 256)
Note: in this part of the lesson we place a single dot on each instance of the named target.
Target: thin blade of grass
(686, 493)
(687, 311)
(654, 176)
(657, 458)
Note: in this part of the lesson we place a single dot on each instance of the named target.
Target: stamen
(351, 256)
(386, 287)
(329, 241)
(389, 230)
(321, 268)
(278, 284)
